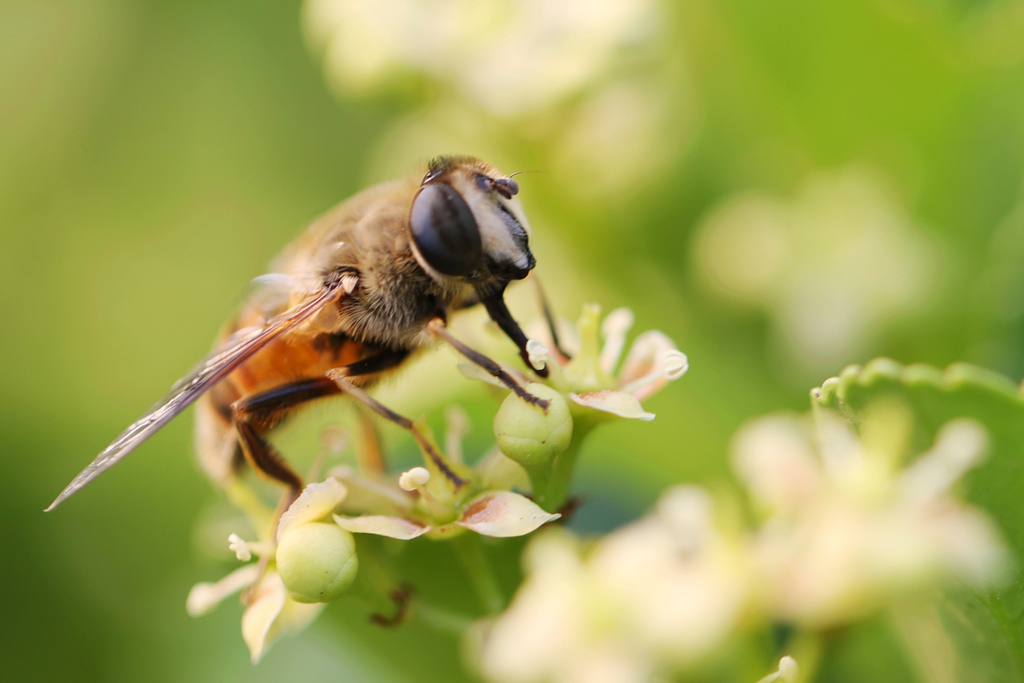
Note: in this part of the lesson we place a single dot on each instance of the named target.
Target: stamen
(538, 354)
(244, 550)
(456, 427)
(239, 547)
(788, 672)
(614, 330)
(672, 365)
(788, 669)
(334, 440)
(414, 478)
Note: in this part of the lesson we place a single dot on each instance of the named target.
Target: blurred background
(782, 187)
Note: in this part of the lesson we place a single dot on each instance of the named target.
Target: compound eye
(444, 230)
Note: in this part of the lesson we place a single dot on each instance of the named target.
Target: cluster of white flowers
(597, 85)
(663, 591)
(844, 528)
(509, 58)
(847, 528)
(828, 266)
(308, 556)
(313, 560)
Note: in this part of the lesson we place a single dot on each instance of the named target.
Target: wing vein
(186, 391)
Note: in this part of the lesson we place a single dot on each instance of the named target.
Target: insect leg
(500, 314)
(368, 451)
(339, 377)
(436, 327)
(549, 318)
(255, 415)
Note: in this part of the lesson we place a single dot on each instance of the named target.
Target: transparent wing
(214, 368)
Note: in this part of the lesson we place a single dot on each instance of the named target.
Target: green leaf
(985, 630)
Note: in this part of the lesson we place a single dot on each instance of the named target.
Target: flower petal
(267, 603)
(614, 402)
(774, 459)
(503, 514)
(272, 614)
(614, 329)
(959, 446)
(382, 525)
(205, 596)
(316, 502)
(653, 362)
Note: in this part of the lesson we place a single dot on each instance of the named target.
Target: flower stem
(481, 575)
(371, 593)
(552, 497)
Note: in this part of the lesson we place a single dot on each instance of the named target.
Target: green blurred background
(782, 187)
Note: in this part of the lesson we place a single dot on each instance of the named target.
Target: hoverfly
(361, 290)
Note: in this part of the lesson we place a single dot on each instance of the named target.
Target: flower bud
(317, 561)
(529, 435)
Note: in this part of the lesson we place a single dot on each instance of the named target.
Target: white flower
(657, 594)
(829, 266)
(437, 508)
(593, 378)
(508, 58)
(847, 530)
(500, 514)
(271, 611)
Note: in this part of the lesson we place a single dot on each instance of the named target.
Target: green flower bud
(317, 561)
(528, 435)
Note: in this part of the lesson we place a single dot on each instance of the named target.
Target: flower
(828, 266)
(307, 555)
(585, 375)
(846, 528)
(501, 514)
(298, 560)
(508, 59)
(594, 92)
(270, 611)
(652, 362)
(589, 372)
(657, 594)
(313, 558)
